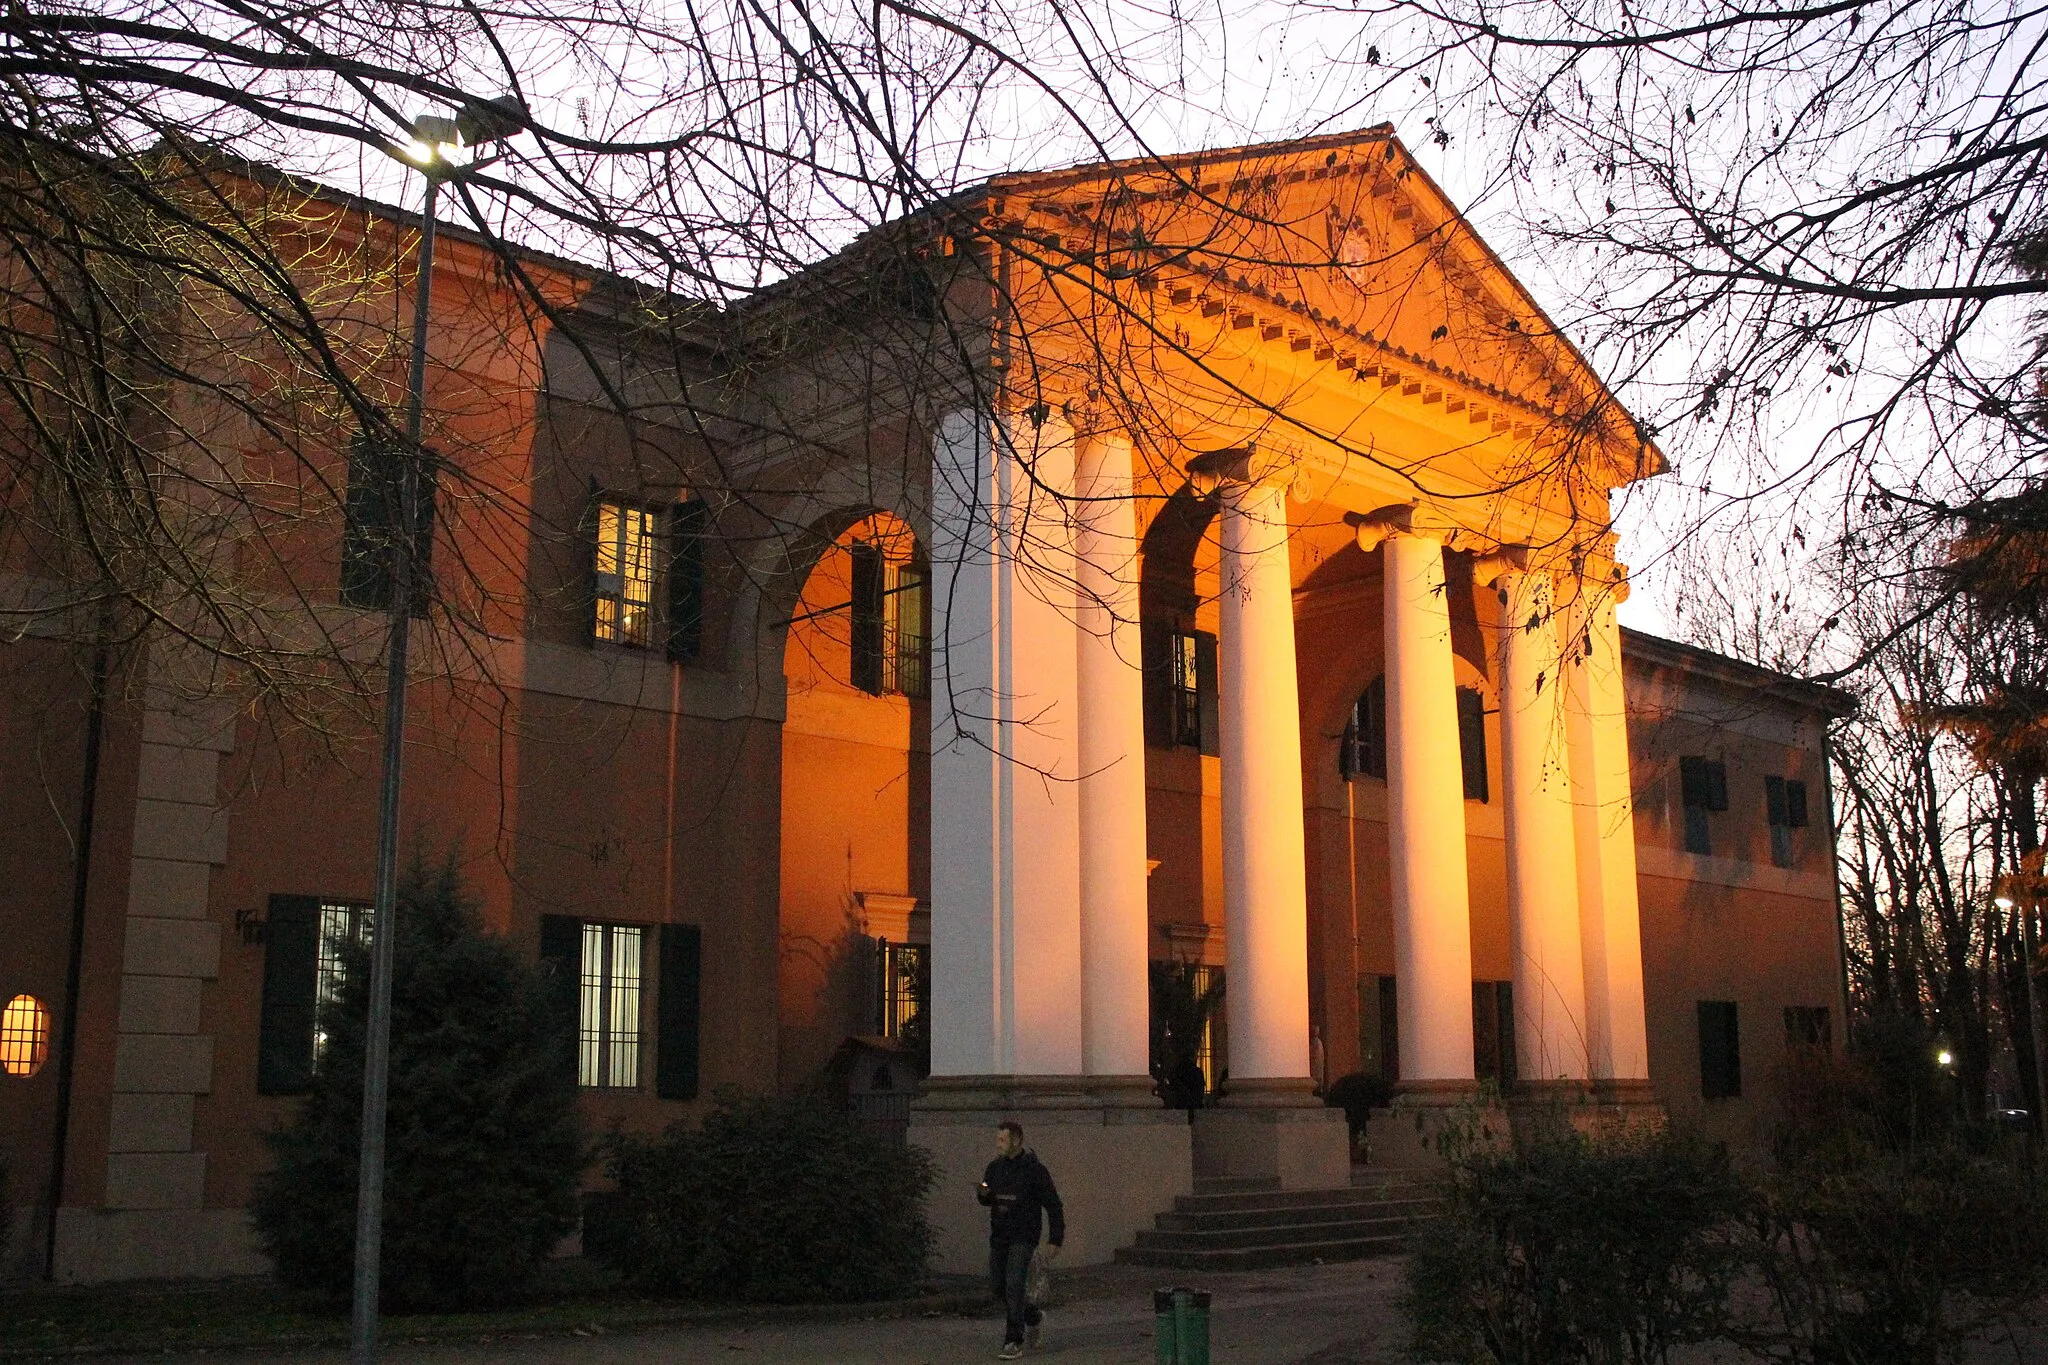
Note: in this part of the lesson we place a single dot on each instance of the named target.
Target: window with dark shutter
(284, 1041)
(677, 1042)
(1493, 1031)
(868, 635)
(689, 523)
(1720, 1050)
(1364, 751)
(1703, 789)
(1472, 743)
(1795, 803)
(370, 533)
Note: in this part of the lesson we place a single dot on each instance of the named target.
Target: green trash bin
(1191, 1326)
(1165, 1341)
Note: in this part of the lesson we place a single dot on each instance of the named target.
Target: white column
(1115, 990)
(1604, 819)
(1425, 808)
(1006, 882)
(1543, 885)
(1265, 882)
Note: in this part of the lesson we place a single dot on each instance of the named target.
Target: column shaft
(1543, 886)
(1006, 911)
(1426, 818)
(1265, 887)
(1603, 809)
(1115, 991)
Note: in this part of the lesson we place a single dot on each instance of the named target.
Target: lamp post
(2038, 1029)
(435, 147)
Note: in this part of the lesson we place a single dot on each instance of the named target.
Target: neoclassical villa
(1199, 568)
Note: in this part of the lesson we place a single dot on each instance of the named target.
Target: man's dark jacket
(1019, 1189)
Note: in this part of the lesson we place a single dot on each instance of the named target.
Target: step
(1273, 1234)
(1261, 1258)
(1276, 1199)
(1236, 1184)
(1311, 1215)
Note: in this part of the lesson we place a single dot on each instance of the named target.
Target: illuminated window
(908, 642)
(24, 1036)
(608, 1011)
(342, 927)
(906, 988)
(627, 539)
(888, 635)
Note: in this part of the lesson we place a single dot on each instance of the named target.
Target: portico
(1302, 425)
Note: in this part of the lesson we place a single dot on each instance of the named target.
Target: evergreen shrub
(483, 1150)
(773, 1199)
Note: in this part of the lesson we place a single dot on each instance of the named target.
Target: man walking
(1018, 1191)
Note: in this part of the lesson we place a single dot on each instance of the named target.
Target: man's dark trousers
(1009, 1268)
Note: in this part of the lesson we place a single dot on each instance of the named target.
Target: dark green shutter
(1205, 692)
(1472, 743)
(1692, 781)
(687, 524)
(561, 960)
(369, 511)
(284, 1041)
(1795, 803)
(1372, 739)
(1717, 786)
(1155, 656)
(866, 634)
(1774, 800)
(677, 1045)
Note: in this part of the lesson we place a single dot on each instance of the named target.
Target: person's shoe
(1011, 1350)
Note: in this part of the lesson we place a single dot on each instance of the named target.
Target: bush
(1892, 1259)
(483, 1152)
(1565, 1248)
(1358, 1094)
(773, 1199)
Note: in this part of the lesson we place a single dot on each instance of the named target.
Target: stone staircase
(1250, 1225)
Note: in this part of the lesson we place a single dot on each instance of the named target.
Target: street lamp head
(2002, 902)
(1945, 1057)
(437, 141)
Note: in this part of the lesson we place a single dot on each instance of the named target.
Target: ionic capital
(1404, 519)
(1246, 464)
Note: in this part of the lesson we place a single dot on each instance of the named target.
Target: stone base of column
(1428, 1118)
(1276, 1132)
(1118, 1156)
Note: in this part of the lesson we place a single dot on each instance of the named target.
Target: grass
(106, 1319)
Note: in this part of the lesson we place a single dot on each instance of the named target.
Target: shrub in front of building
(483, 1149)
(772, 1199)
(1563, 1247)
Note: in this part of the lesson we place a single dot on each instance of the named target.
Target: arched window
(24, 1036)
(1364, 751)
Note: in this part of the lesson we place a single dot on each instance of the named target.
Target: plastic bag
(1038, 1284)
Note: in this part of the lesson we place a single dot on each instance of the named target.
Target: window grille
(24, 1036)
(608, 1011)
(905, 989)
(1186, 689)
(1364, 753)
(908, 645)
(342, 927)
(627, 539)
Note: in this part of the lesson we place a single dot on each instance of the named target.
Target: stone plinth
(1117, 1155)
(1274, 1131)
